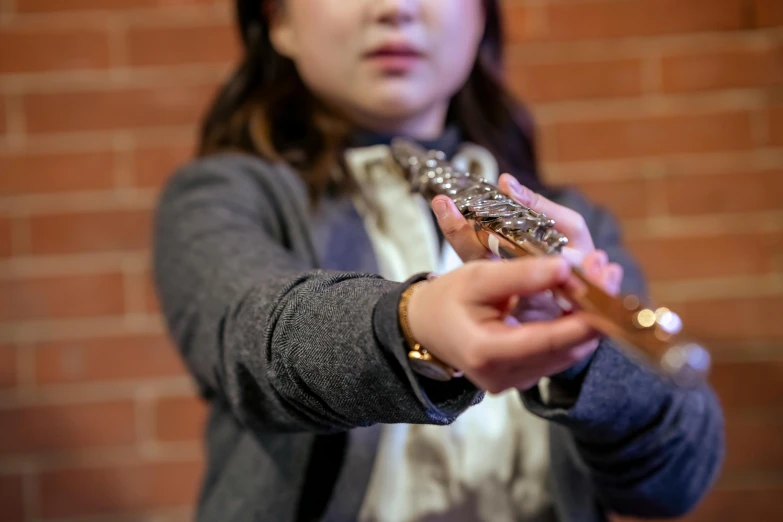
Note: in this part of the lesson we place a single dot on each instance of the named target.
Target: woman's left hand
(460, 234)
(580, 251)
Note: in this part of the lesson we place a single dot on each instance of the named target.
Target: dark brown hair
(265, 109)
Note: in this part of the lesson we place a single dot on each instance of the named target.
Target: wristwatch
(422, 361)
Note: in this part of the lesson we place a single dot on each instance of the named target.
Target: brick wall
(668, 111)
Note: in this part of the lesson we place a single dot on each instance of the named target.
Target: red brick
(740, 505)
(6, 237)
(753, 445)
(90, 231)
(723, 193)
(155, 165)
(652, 136)
(626, 198)
(3, 123)
(59, 297)
(753, 386)
(707, 256)
(737, 320)
(760, 503)
(30, 173)
(180, 515)
(11, 499)
(768, 13)
(722, 70)
(577, 80)
(41, 6)
(151, 301)
(8, 365)
(179, 418)
(64, 427)
(36, 50)
(133, 487)
(121, 109)
(620, 18)
(776, 125)
(106, 359)
(181, 45)
(515, 22)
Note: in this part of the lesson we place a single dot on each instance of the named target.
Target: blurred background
(670, 112)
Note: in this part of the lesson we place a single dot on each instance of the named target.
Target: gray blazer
(294, 341)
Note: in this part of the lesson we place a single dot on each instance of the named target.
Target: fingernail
(572, 255)
(522, 194)
(617, 278)
(514, 184)
(595, 267)
(441, 208)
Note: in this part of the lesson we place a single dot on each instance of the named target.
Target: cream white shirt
(491, 464)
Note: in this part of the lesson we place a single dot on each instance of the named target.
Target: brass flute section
(509, 229)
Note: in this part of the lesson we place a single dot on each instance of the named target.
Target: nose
(396, 12)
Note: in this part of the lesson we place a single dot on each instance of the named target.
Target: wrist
(422, 361)
(406, 305)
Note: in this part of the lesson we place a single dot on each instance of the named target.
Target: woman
(292, 269)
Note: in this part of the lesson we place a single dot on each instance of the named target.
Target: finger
(612, 278)
(555, 362)
(568, 221)
(572, 255)
(562, 359)
(540, 300)
(533, 316)
(458, 231)
(594, 264)
(537, 307)
(524, 372)
(538, 342)
(493, 281)
(600, 271)
(512, 305)
(551, 367)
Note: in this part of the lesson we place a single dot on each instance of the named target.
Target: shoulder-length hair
(265, 109)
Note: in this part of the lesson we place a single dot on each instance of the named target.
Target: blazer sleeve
(650, 449)
(288, 346)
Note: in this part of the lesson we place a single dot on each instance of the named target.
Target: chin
(396, 105)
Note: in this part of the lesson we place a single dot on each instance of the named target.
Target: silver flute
(652, 335)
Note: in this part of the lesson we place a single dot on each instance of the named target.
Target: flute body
(509, 230)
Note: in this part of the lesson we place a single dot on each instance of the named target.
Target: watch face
(429, 369)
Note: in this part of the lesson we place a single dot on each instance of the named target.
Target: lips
(395, 49)
(395, 57)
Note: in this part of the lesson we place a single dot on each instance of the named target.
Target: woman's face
(387, 65)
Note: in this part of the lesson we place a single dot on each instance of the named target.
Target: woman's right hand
(461, 318)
